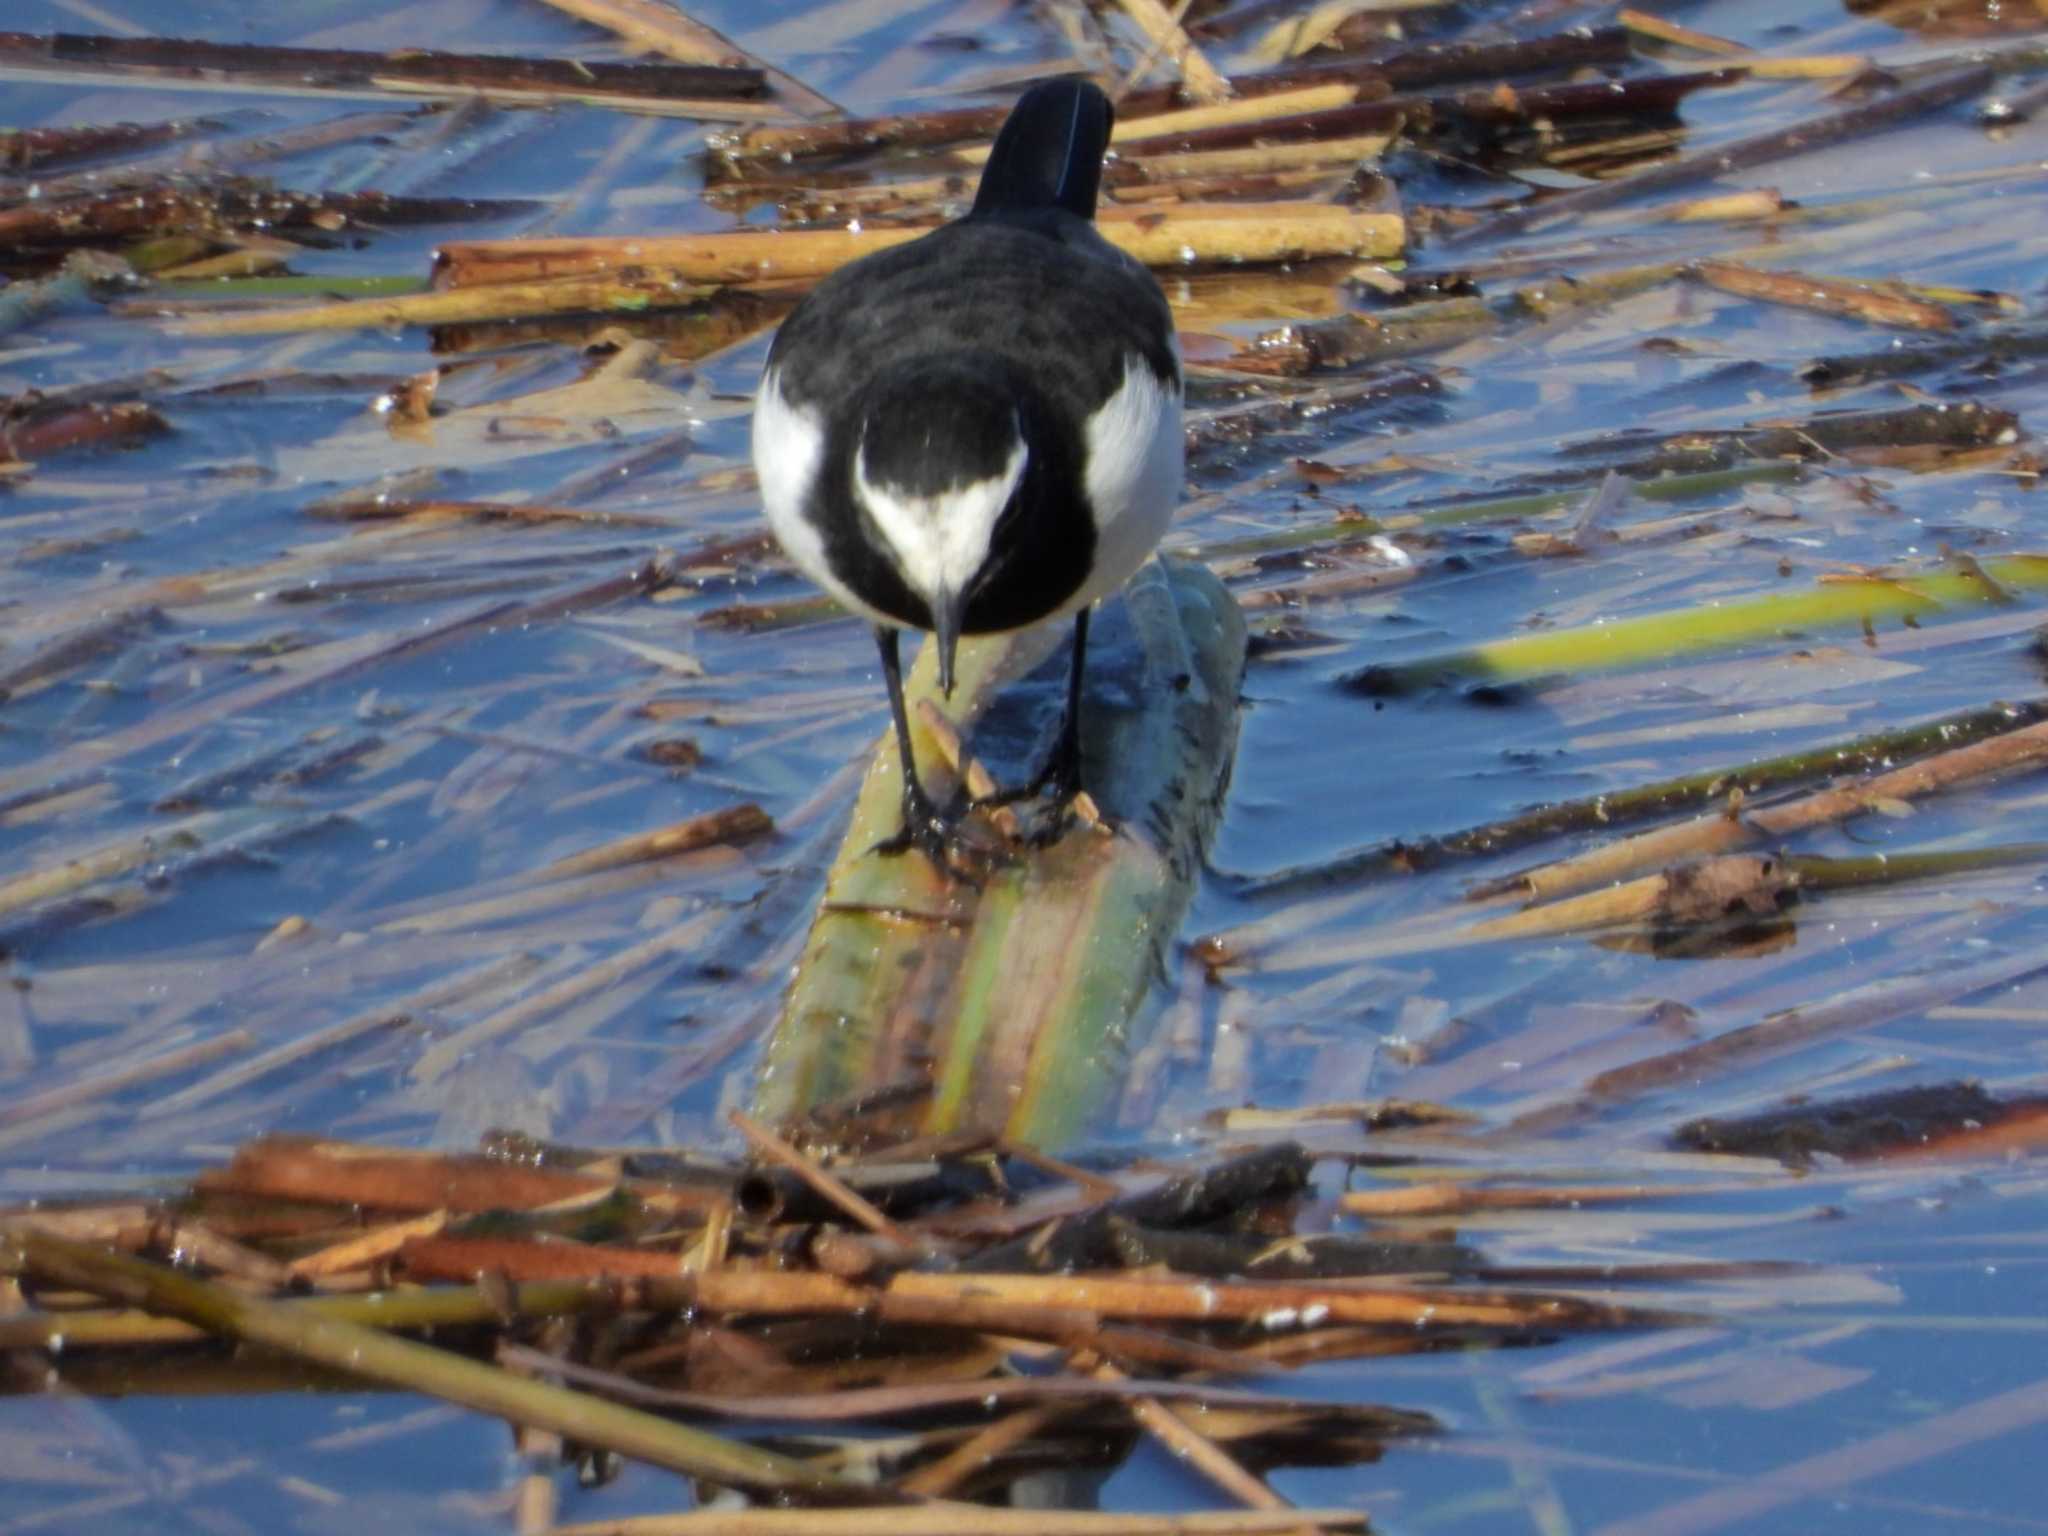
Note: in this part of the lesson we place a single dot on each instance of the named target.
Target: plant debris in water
(985, 1294)
(1619, 440)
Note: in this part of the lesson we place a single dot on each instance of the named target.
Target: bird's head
(939, 460)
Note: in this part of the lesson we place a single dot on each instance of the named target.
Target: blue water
(493, 739)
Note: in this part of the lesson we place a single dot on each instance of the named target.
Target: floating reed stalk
(377, 1356)
(1023, 992)
(1850, 602)
(1610, 809)
(1878, 303)
(1232, 233)
(174, 59)
(498, 301)
(1931, 95)
(972, 1520)
(1715, 833)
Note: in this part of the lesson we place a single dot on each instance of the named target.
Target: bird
(979, 430)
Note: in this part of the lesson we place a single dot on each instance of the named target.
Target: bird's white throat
(940, 541)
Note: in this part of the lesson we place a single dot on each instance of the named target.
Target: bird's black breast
(1043, 546)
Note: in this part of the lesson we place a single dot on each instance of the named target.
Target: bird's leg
(1059, 776)
(923, 827)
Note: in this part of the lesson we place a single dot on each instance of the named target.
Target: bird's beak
(947, 608)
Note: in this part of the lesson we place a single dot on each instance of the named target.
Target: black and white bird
(980, 430)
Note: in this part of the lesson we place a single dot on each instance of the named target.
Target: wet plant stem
(377, 1356)
(1850, 603)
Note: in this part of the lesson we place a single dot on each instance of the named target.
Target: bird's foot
(940, 835)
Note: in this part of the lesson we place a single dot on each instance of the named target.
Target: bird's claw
(936, 835)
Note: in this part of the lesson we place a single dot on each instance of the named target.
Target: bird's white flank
(939, 542)
(789, 448)
(1135, 452)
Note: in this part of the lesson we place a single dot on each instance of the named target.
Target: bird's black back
(1049, 152)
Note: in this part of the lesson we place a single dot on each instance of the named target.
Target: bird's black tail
(1049, 154)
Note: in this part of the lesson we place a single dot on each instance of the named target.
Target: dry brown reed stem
(37, 149)
(1802, 66)
(1931, 95)
(400, 510)
(652, 26)
(766, 145)
(978, 1451)
(727, 825)
(1163, 29)
(646, 106)
(1684, 894)
(1092, 1185)
(457, 73)
(972, 773)
(371, 1355)
(1160, 1300)
(499, 301)
(969, 1520)
(373, 1247)
(1723, 832)
(2024, 1132)
(1315, 181)
(1345, 82)
(83, 1224)
(1006, 1303)
(1186, 1444)
(1656, 27)
(39, 434)
(1760, 203)
(108, 862)
(194, 1244)
(1449, 1198)
(1260, 159)
(863, 1210)
(536, 1503)
(432, 1257)
(1253, 1119)
(376, 1178)
(1822, 66)
(663, 90)
(1873, 302)
(1221, 233)
(1247, 109)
